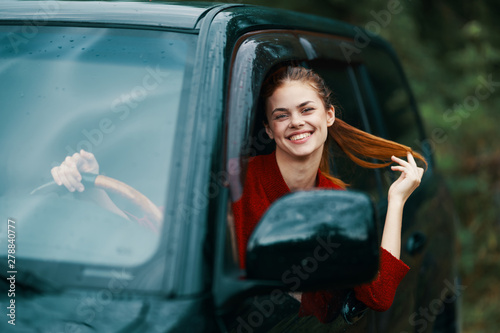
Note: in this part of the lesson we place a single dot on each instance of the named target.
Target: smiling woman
(298, 121)
(300, 118)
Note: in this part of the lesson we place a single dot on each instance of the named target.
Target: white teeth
(300, 136)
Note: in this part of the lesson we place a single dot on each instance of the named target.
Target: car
(165, 96)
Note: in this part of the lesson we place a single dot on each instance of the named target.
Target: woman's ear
(268, 130)
(330, 116)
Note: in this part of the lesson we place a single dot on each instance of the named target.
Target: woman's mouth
(300, 137)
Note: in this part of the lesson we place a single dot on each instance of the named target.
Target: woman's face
(297, 119)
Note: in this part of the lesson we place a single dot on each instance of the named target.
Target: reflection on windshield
(115, 93)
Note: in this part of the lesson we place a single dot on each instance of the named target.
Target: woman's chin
(301, 152)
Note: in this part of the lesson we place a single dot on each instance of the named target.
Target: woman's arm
(399, 192)
(379, 293)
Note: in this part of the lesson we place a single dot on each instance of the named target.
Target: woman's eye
(308, 109)
(280, 116)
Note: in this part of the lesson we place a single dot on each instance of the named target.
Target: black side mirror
(316, 239)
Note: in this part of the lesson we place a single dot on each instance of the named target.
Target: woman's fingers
(411, 165)
(63, 171)
(71, 177)
(87, 162)
(55, 174)
(399, 161)
(409, 169)
(87, 155)
(398, 168)
(72, 169)
(411, 159)
(67, 174)
(409, 179)
(421, 172)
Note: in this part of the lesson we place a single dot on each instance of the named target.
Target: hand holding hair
(409, 179)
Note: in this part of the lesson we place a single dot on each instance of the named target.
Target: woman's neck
(299, 174)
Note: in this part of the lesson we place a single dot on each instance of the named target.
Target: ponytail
(361, 146)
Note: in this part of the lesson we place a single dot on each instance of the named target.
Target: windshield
(113, 92)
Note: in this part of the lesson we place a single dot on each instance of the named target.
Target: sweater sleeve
(377, 294)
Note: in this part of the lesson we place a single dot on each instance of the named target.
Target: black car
(164, 95)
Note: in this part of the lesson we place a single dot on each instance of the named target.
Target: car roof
(172, 14)
(239, 18)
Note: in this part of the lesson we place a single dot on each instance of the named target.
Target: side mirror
(316, 239)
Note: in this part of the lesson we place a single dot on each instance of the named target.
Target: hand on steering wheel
(69, 172)
(82, 168)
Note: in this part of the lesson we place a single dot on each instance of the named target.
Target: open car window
(258, 55)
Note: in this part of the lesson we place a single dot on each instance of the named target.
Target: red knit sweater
(264, 184)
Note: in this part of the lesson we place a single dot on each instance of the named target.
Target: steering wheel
(138, 199)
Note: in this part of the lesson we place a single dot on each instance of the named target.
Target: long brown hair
(358, 145)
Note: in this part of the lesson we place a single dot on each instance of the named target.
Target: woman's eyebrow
(304, 104)
(298, 106)
(279, 109)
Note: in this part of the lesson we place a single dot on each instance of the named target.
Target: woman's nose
(296, 120)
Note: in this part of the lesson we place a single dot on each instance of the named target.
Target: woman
(300, 118)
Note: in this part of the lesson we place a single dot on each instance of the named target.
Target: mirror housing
(316, 239)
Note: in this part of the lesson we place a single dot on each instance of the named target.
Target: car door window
(255, 57)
